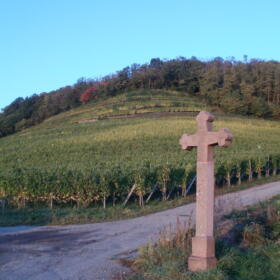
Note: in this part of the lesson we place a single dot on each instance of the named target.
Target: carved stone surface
(203, 244)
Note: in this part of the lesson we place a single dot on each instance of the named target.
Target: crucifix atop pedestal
(203, 244)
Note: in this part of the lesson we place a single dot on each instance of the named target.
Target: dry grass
(178, 237)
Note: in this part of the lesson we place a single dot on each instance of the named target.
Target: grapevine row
(27, 186)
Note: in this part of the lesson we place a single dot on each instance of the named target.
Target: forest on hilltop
(241, 87)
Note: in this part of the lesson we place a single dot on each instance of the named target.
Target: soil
(95, 251)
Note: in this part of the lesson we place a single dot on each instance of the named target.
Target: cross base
(199, 264)
(203, 253)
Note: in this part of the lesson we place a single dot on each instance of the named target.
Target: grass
(41, 215)
(248, 249)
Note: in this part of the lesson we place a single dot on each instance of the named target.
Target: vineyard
(129, 103)
(113, 162)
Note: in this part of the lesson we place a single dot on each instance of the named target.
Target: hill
(240, 87)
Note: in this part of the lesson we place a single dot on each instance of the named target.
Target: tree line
(242, 87)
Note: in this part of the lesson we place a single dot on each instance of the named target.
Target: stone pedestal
(200, 264)
(203, 254)
(203, 244)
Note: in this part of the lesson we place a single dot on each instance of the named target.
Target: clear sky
(48, 44)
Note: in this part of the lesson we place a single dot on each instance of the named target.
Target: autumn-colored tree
(88, 94)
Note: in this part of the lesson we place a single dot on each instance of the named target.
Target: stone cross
(203, 244)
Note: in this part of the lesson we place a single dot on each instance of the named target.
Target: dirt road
(90, 251)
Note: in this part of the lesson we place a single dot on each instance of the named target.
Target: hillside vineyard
(100, 162)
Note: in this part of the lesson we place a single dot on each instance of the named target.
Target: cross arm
(188, 141)
(223, 138)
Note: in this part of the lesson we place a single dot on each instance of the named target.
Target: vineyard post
(250, 171)
(151, 193)
(130, 193)
(267, 167)
(275, 162)
(203, 244)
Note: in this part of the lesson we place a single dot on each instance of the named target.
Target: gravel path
(91, 251)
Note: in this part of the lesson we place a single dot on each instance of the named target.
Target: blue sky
(47, 44)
